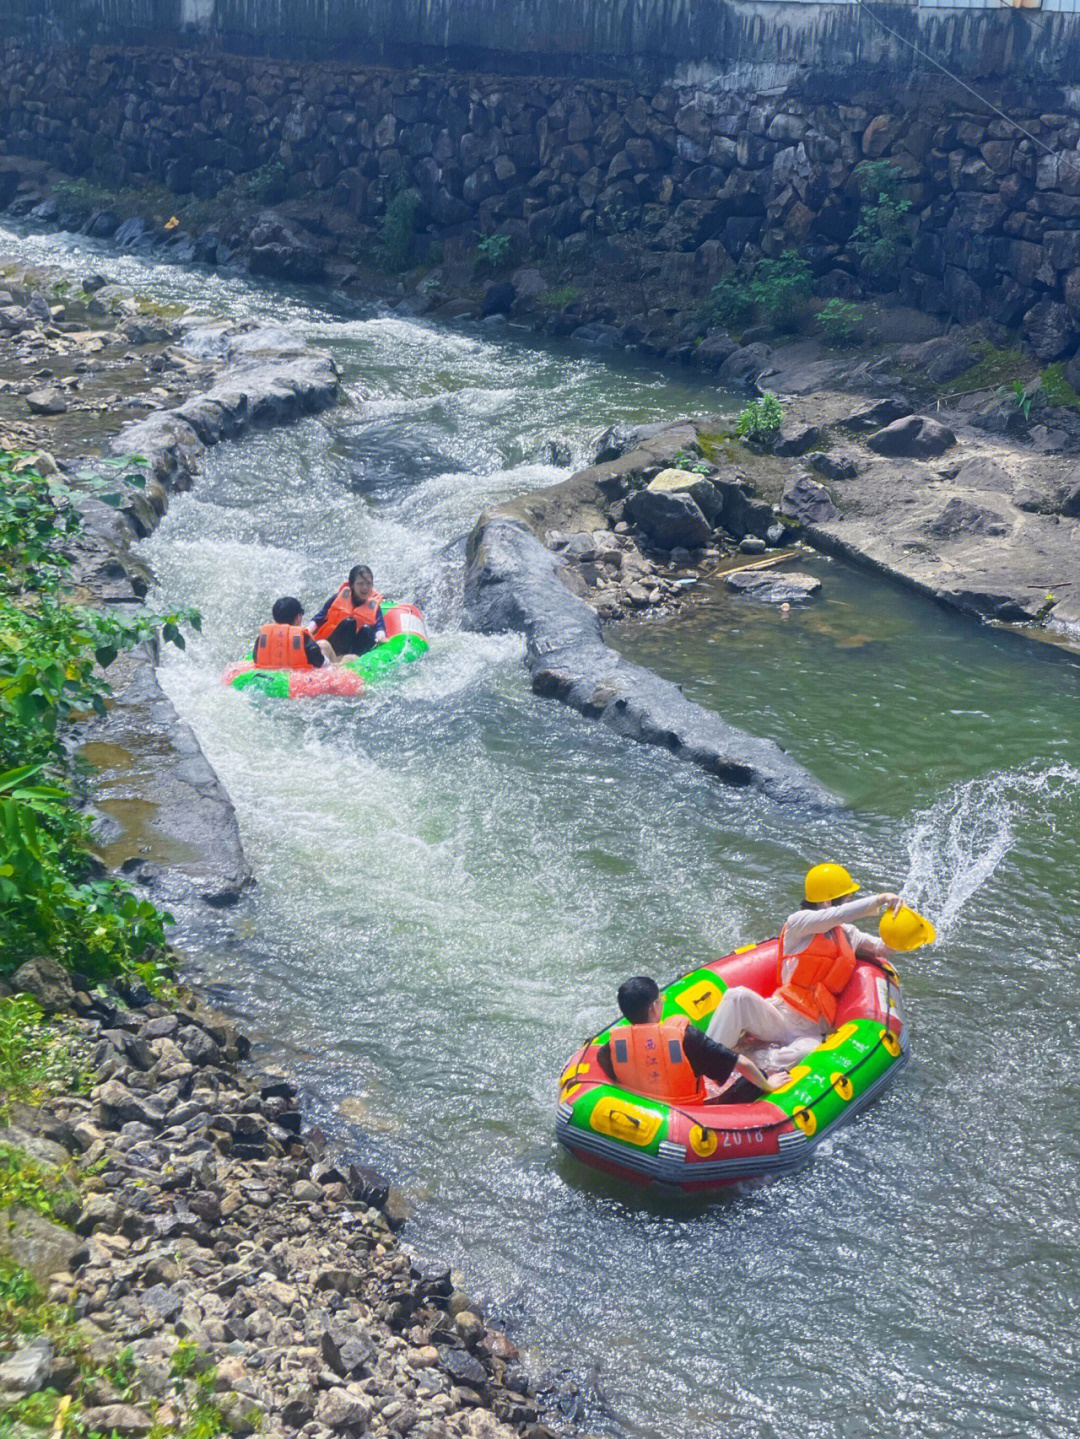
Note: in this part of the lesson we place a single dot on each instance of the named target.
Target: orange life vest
(343, 608)
(649, 1059)
(821, 972)
(281, 647)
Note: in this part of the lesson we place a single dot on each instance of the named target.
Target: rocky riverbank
(211, 1267)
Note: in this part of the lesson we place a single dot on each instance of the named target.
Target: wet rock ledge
(204, 1230)
(515, 581)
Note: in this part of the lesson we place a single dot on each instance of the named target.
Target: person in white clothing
(819, 944)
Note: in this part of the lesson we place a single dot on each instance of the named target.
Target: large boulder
(808, 501)
(798, 441)
(46, 980)
(35, 1243)
(833, 467)
(772, 588)
(941, 360)
(670, 519)
(684, 482)
(1049, 329)
(47, 401)
(27, 1370)
(915, 437)
(745, 364)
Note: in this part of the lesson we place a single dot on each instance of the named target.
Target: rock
(883, 413)
(941, 360)
(116, 1105)
(555, 452)
(808, 501)
(27, 1370)
(499, 296)
(36, 1244)
(344, 1409)
(669, 519)
(469, 1325)
(798, 442)
(463, 1367)
(752, 545)
(159, 1299)
(47, 401)
(100, 1211)
(47, 981)
(597, 335)
(197, 1046)
(983, 473)
(529, 283)
(1049, 329)
(1068, 500)
(744, 365)
(961, 517)
(512, 583)
(915, 437)
(613, 442)
(580, 547)
(773, 588)
(714, 349)
(775, 535)
(125, 1420)
(702, 491)
(833, 467)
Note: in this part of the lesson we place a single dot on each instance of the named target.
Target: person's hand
(891, 901)
(777, 1080)
(381, 639)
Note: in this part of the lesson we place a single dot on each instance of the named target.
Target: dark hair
(636, 997)
(287, 610)
(357, 571)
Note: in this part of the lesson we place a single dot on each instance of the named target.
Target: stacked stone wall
(689, 177)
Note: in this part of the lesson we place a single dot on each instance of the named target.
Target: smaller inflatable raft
(406, 641)
(707, 1145)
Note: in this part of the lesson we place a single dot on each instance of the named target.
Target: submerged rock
(772, 588)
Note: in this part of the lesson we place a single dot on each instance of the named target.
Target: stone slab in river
(773, 589)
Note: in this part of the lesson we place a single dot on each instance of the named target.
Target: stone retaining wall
(675, 180)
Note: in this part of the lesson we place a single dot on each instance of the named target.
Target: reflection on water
(454, 876)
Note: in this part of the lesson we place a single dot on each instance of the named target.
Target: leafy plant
(397, 228)
(495, 251)
(52, 895)
(685, 461)
(839, 323)
(760, 421)
(266, 184)
(1023, 397)
(881, 240)
(29, 1185)
(34, 1061)
(775, 289)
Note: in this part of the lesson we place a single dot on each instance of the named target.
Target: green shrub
(31, 1186)
(495, 251)
(775, 289)
(34, 1059)
(52, 895)
(881, 240)
(396, 230)
(760, 420)
(840, 323)
(694, 463)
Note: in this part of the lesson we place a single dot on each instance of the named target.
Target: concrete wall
(764, 41)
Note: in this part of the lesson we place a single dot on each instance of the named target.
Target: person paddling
(352, 620)
(817, 952)
(668, 1058)
(286, 645)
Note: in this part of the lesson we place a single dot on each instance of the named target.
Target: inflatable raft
(712, 1144)
(406, 641)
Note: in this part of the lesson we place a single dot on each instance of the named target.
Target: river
(454, 876)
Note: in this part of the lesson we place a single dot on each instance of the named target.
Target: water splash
(957, 844)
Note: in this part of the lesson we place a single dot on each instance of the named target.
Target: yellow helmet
(826, 882)
(906, 929)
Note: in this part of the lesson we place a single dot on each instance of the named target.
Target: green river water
(454, 876)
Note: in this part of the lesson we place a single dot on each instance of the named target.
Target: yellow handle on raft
(906, 930)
